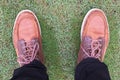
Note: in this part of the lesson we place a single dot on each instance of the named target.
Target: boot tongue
(92, 48)
(27, 51)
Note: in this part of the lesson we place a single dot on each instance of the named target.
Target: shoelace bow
(29, 52)
(94, 50)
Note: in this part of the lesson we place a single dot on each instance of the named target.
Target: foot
(27, 38)
(94, 36)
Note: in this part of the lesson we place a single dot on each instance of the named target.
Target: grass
(60, 23)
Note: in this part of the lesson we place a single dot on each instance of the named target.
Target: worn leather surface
(27, 28)
(95, 27)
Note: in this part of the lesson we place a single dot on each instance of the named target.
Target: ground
(60, 23)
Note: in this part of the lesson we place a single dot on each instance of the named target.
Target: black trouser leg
(91, 69)
(33, 71)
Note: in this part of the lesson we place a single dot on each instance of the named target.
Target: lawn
(60, 23)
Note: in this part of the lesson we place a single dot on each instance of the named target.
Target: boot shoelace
(28, 53)
(95, 49)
